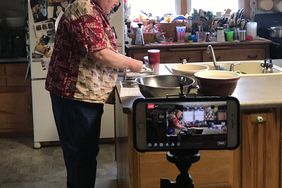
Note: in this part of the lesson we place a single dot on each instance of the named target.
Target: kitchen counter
(13, 60)
(252, 92)
(259, 152)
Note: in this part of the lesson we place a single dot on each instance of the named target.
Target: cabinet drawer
(15, 111)
(2, 70)
(2, 81)
(175, 55)
(172, 55)
(16, 74)
(235, 54)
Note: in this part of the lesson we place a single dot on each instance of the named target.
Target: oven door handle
(276, 43)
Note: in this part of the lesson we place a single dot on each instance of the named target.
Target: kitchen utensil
(217, 82)
(168, 69)
(163, 85)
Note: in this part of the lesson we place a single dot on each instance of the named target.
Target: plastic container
(220, 35)
(252, 29)
(180, 33)
(229, 35)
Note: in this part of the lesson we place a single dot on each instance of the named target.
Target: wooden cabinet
(236, 54)
(255, 164)
(15, 99)
(144, 170)
(261, 149)
(2, 76)
(170, 55)
(197, 52)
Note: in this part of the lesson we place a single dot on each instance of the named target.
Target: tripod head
(183, 159)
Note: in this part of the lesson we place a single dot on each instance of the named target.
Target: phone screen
(188, 124)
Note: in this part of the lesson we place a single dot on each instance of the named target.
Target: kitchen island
(256, 163)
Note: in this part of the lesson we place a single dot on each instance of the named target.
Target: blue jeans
(78, 124)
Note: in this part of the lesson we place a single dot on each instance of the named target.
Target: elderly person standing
(81, 77)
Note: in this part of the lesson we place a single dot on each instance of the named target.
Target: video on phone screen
(186, 125)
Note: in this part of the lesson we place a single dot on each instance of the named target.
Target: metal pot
(164, 85)
(276, 32)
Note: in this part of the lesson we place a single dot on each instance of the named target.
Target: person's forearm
(113, 59)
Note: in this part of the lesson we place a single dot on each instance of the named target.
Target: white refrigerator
(44, 129)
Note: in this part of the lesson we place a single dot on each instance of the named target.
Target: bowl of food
(164, 85)
(188, 69)
(217, 82)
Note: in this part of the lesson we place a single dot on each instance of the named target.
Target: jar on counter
(220, 34)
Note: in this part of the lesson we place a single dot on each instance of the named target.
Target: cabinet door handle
(184, 60)
(259, 120)
(252, 56)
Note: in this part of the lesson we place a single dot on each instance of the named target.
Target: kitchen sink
(246, 68)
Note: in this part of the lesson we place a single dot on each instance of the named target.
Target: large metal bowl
(164, 85)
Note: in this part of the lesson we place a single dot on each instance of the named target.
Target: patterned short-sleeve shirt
(83, 29)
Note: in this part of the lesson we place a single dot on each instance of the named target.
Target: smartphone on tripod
(196, 123)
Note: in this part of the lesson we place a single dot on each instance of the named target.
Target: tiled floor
(21, 166)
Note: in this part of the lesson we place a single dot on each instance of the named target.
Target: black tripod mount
(183, 159)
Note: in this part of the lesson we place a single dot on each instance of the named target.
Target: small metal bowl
(164, 85)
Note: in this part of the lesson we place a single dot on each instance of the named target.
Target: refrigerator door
(44, 128)
(38, 70)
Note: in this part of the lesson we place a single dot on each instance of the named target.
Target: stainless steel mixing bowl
(164, 85)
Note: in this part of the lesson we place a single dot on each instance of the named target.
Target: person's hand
(135, 65)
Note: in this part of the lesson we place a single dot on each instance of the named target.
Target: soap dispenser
(139, 39)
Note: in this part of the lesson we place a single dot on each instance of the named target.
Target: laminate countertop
(253, 92)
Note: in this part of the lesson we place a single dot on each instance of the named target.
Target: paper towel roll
(252, 29)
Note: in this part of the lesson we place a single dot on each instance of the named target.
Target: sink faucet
(210, 50)
(232, 67)
(267, 66)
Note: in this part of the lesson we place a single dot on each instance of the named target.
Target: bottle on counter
(220, 34)
(139, 38)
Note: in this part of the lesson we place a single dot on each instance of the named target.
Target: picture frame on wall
(39, 10)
